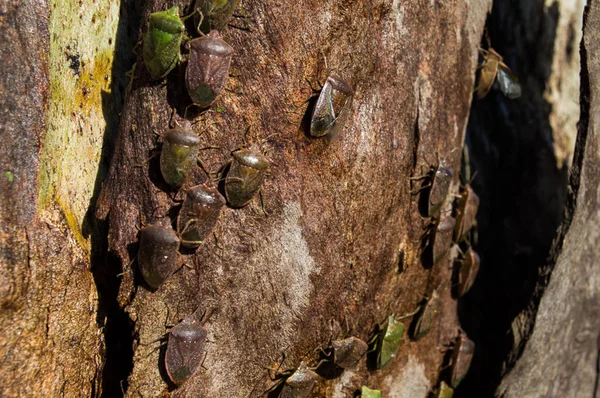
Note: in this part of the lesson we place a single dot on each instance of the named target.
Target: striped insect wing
(178, 156)
(466, 217)
(487, 73)
(390, 341)
(185, 350)
(245, 176)
(300, 383)
(162, 42)
(444, 391)
(366, 392)
(348, 352)
(461, 359)
(207, 69)
(331, 107)
(507, 83)
(157, 256)
(428, 316)
(216, 13)
(439, 188)
(443, 238)
(199, 214)
(469, 267)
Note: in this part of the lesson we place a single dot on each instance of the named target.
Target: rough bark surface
(338, 215)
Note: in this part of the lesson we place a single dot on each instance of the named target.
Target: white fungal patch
(412, 383)
(367, 123)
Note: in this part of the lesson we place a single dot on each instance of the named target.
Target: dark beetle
(468, 267)
(185, 350)
(427, 316)
(157, 256)
(461, 359)
(162, 41)
(208, 68)
(332, 103)
(466, 213)
(245, 176)
(347, 352)
(300, 383)
(216, 13)
(179, 155)
(199, 214)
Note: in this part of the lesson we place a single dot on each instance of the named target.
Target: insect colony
(207, 70)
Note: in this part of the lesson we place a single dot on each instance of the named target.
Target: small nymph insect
(199, 214)
(207, 69)
(246, 173)
(215, 13)
(185, 350)
(331, 106)
(427, 316)
(179, 155)
(496, 73)
(461, 359)
(157, 256)
(162, 42)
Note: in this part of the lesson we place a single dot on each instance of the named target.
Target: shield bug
(366, 392)
(185, 350)
(427, 316)
(331, 106)
(444, 391)
(178, 155)
(466, 213)
(468, 267)
(199, 214)
(300, 383)
(157, 256)
(246, 173)
(461, 358)
(496, 73)
(215, 13)
(387, 341)
(162, 41)
(440, 184)
(442, 238)
(347, 352)
(208, 68)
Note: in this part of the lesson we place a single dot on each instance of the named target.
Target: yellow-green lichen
(82, 38)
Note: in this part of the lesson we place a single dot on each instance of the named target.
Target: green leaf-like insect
(216, 13)
(162, 42)
(388, 341)
(179, 155)
(366, 392)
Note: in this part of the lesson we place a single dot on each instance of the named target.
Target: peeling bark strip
(337, 210)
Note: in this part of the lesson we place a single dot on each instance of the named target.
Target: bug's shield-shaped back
(330, 107)
(185, 350)
(162, 42)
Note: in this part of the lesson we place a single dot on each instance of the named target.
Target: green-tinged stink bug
(494, 72)
(207, 69)
(461, 359)
(245, 176)
(331, 106)
(347, 352)
(468, 267)
(444, 391)
(442, 238)
(388, 341)
(466, 213)
(199, 214)
(157, 256)
(427, 316)
(300, 383)
(215, 13)
(162, 42)
(185, 350)
(179, 155)
(366, 392)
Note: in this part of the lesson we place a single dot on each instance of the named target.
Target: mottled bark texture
(338, 214)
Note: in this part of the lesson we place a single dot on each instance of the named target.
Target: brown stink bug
(331, 106)
(179, 154)
(199, 214)
(442, 238)
(157, 256)
(427, 316)
(208, 68)
(468, 267)
(466, 212)
(185, 350)
(461, 359)
(300, 383)
(434, 189)
(245, 176)
(496, 73)
(348, 352)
